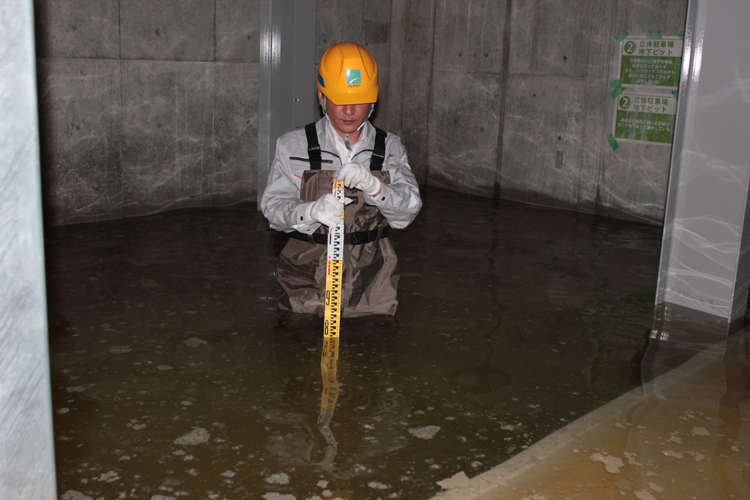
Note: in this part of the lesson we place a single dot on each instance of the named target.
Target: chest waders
(371, 273)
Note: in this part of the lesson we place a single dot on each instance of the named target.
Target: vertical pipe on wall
(303, 68)
(392, 112)
(677, 145)
(286, 82)
(505, 72)
(705, 259)
(27, 464)
(269, 72)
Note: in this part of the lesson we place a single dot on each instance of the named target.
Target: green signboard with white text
(645, 61)
(645, 92)
(645, 117)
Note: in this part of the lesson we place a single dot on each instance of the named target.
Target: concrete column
(27, 462)
(287, 75)
(705, 264)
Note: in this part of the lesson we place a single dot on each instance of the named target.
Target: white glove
(326, 210)
(358, 176)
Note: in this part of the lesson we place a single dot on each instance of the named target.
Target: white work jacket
(399, 201)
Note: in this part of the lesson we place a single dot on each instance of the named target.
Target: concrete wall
(362, 22)
(151, 105)
(489, 92)
(146, 105)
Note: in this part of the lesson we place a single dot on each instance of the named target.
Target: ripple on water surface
(175, 377)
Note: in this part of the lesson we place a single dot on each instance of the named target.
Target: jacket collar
(331, 137)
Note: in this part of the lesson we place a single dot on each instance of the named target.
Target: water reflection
(513, 322)
(685, 433)
(678, 335)
(328, 367)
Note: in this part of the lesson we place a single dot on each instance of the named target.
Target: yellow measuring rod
(332, 320)
(334, 272)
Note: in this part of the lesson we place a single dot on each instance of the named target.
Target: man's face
(347, 118)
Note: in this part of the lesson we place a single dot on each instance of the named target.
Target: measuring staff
(331, 328)
(381, 193)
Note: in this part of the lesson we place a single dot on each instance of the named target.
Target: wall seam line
(505, 75)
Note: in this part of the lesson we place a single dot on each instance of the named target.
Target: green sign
(645, 117)
(645, 61)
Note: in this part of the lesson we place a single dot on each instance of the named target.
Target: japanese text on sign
(645, 117)
(651, 62)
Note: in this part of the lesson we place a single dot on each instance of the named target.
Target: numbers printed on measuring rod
(334, 271)
(331, 323)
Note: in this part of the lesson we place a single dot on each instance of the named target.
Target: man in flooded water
(381, 192)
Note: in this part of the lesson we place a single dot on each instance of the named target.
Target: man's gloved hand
(358, 176)
(326, 210)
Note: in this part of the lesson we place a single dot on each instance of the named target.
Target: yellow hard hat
(348, 75)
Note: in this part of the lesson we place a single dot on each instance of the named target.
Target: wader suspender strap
(313, 146)
(376, 163)
(378, 152)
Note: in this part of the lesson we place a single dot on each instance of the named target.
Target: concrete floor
(684, 434)
(174, 376)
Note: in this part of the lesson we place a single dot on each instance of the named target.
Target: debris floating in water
(196, 436)
(75, 495)
(278, 496)
(281, 478)
(611, 464)
(375, 485)
(459, 480)
(427, 432)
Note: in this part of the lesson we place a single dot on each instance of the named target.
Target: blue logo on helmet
(321, 81)
(353, 77)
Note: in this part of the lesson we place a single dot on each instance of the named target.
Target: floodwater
(683, 434)
(174, 376)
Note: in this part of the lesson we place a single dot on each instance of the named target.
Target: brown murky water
(175, 377)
